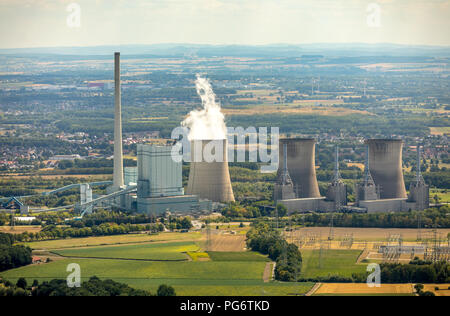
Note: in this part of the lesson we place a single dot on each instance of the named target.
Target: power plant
(381, 190)
(209, 176)
(156, 185)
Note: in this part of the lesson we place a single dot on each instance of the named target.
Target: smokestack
(118, 153)
(210, 180)
(386, 167)
(302, 167)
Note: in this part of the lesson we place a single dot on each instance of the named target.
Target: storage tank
(210, 179)
(301, 163)
(386, 167)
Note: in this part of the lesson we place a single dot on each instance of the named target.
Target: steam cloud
(209, 122)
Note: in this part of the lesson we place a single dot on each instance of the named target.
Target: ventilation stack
(118, 181)
(419, 191)
(302, 167)
(209, 176)
(386, 167)
(284, 188)
(337, 190)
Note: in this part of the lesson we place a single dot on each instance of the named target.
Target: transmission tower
(331, 234)
(208, 237)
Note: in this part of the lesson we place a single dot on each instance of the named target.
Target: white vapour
(209, 122)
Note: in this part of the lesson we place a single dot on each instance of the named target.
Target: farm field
(369, 234)
(227, 242)
(362, 289)
(299, 109)
(238, 256)
(188, 278)
(113, 240)
(20, 229)
(443, 289)
(174, 251)
(330, 262)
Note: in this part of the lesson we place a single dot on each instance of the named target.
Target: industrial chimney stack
(118, 153)
(210, 179)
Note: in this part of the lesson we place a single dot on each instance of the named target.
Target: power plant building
(160, 187)
(383, 188)
(297, 160)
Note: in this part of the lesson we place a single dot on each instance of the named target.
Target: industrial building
(381, 190)
(155, 186)
(160, 186)
(297, 168)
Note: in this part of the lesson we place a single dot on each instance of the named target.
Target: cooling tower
(386, 167)
(301, 163)
(210, 180)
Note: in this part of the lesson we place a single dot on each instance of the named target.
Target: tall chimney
(118, 153)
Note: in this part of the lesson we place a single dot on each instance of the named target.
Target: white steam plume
(209, 122)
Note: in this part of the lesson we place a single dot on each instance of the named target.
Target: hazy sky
(35, 23)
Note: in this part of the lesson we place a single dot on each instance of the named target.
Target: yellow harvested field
(440, 130)
(270, 109)
(20, 229)
(443, 289)
(362, 288)
(369, 234)
(356, 164)
(227, 242)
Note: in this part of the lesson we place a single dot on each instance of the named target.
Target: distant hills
(275, 50)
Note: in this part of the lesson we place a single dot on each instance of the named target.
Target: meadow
(158, 251)
(188, 278)
(330, 262)
(237, 256)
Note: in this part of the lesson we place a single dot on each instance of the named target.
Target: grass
(333, 262)
(113, 240)
(443, 194)
(159, 251)
(188, 278)
(248, 256)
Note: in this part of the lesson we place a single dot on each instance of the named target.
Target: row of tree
(430, 218)
(93, 287)
(268, 241)
(12, 256)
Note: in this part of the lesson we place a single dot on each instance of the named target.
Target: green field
(443, 194)
(156, 251)
(237, 256)
(188, 278)
(331, 262)
(113, 240)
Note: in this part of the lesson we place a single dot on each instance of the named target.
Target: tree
(282, 210)
(165, 290)
(418, 288)
(22, 283)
